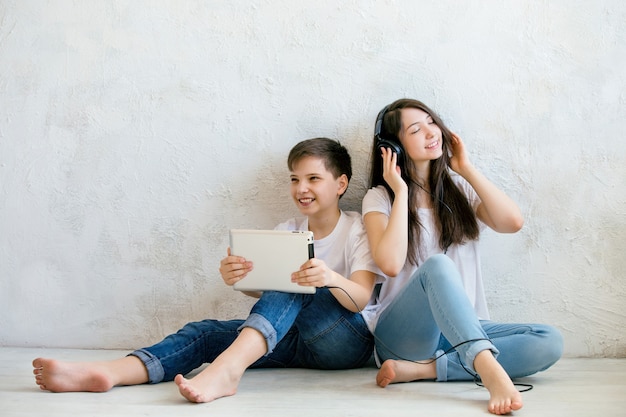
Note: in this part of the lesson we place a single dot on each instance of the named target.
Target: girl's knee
(439, 261)
(438, 268)
(437, 265)
(552, 344)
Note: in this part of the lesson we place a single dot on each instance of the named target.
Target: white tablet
(275, 255)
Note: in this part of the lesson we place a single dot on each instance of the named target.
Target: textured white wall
(134, 134)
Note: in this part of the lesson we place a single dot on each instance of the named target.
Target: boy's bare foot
(212, 383)
(57, 376)
(504, 397)
(394, 371)
(221, 378)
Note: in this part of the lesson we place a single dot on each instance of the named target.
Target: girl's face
(420, 136)
(314, 189)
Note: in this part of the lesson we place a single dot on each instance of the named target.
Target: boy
(283, 329)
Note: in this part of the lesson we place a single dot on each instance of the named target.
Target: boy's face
(314, 189)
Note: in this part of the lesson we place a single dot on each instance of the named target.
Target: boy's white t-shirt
(466, 256)
(346, 249)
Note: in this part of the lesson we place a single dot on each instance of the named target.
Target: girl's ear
(343, 184)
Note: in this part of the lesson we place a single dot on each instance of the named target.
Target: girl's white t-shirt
(466, 256)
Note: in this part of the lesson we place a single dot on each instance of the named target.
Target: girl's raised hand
(459, 159)
(234, 268)
(391, 170)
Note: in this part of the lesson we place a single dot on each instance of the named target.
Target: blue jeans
(432, 314)
(301, 331)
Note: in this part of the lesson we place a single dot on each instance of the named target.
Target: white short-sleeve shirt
(346, 249)
(466, 256)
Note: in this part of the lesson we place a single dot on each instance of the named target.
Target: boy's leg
(269, 321)
(193, 345)
(222, 376)
(59, 376)
(285, 329)
(330, 336)
(310, 331)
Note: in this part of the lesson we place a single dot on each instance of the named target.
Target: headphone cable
(474, 375)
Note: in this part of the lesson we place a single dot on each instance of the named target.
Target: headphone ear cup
(383, 143)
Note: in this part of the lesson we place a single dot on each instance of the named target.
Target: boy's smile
(314, 189)
(306, 201)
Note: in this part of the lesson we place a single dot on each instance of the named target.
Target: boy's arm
(354, 293)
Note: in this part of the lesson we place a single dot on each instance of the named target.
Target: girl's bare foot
(213, 382)
(394, 371)
(504, 397)
(57, 376)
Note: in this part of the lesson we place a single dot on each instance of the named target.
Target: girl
(423, 223)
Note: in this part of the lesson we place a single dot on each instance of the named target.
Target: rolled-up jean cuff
(152, 364)
(468, 364)
(475, 349)
(442, 366)
(263, 326)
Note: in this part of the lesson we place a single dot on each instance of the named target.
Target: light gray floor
(573, 387)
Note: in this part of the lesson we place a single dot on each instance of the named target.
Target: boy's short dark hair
(335, 156)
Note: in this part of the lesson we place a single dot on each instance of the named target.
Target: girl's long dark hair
(454, 217)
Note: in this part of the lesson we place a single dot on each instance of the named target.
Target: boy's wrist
(332, 282)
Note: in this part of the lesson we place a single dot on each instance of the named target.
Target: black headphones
(385, 143)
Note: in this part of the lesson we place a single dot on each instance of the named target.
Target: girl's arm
(496, 210)
(388, 236)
